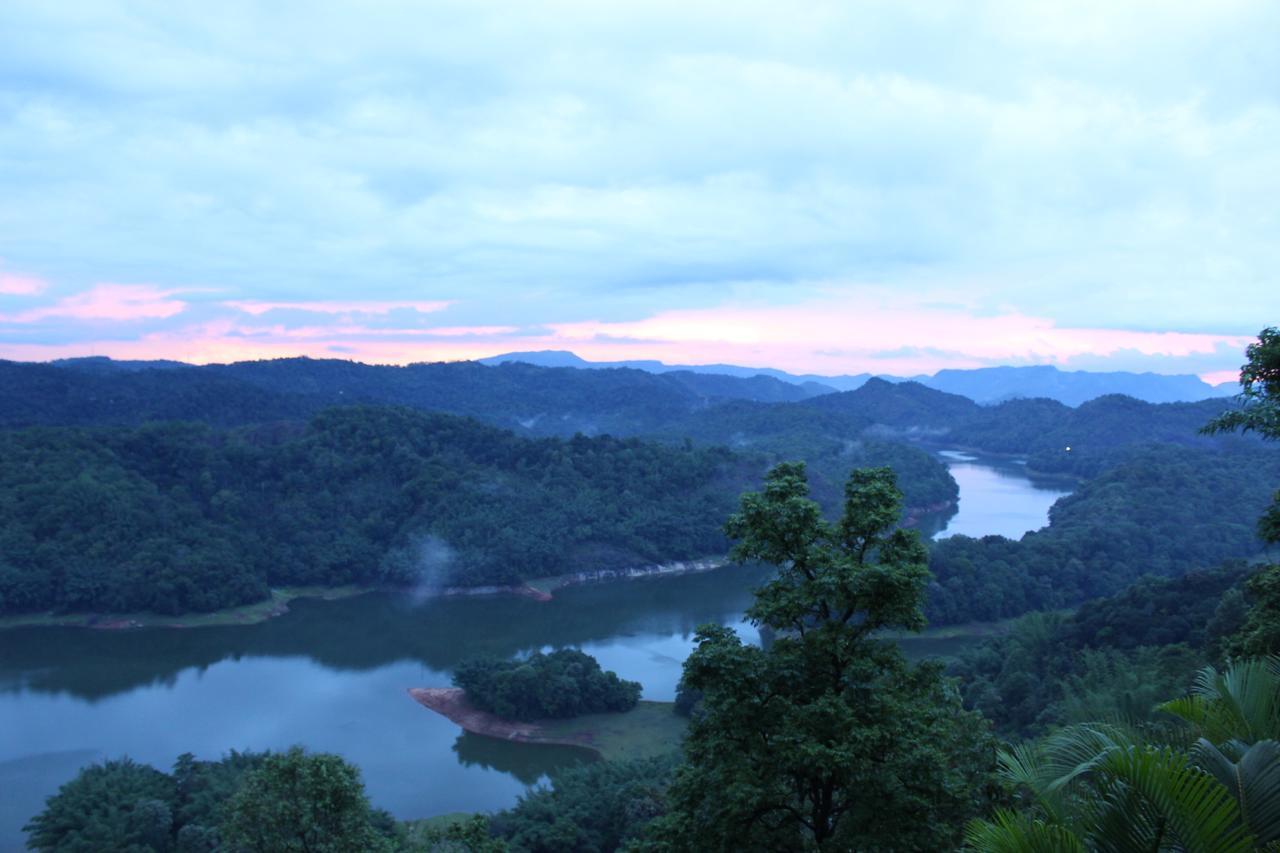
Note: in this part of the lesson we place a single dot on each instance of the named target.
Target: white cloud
(1096, 164)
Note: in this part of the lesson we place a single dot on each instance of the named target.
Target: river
(332, 675)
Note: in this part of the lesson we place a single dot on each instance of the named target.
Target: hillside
(527, 399)
(177, 517)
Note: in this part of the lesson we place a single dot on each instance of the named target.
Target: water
(333, 675)
(997, 497)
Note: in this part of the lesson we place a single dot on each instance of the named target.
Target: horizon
(889, 190)
(1232, 377)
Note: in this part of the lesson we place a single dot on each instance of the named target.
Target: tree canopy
(827, 738)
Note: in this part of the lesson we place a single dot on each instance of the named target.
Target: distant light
(1068, 448)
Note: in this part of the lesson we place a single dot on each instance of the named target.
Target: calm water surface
(333, 676)
(997, 496)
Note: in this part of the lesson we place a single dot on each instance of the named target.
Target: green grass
(649, 729)
(247, 614)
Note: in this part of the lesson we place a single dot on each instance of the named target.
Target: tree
(827, 739)
(301, 802)
(116, 805)
(1260, 633)
(1260, 409)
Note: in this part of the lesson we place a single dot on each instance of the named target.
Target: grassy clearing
(247, 614)
(649, 729)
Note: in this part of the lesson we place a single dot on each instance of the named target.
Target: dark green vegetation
(564, 683)
(255, 802)
(1113, 658)
(599, 807)
(826, 739)
(181, 517)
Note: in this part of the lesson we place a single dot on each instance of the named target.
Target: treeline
(831, 443)
(1164, 510)
(563, 683)
(540, 401)
(178, 517)
(1114, 657)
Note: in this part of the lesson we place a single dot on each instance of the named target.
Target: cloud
(1090, 165)
(257, 308)
(20, 285)
(107, 302)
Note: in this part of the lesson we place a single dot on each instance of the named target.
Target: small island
(559, 698)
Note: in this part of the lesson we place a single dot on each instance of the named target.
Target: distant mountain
(983, 385)
(563, 358)
(996, 384)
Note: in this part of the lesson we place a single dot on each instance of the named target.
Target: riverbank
(649, 729)
(538, 589)
(247, 614)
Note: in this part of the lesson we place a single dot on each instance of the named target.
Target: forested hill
(831, 443)
(1083, 440)
(527, 399)
(176, 517)
(907, 406)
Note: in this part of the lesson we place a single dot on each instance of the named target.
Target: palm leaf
(1011, 832)
(1186, 804)
(1254, 780)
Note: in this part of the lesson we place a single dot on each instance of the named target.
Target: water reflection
(528, 762)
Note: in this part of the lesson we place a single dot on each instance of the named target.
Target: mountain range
(983, 385)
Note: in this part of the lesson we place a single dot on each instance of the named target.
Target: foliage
(178, 517)
(1260, 412)
(305, 802)
(564, 683)
(1113, 658)
(1260, 632)
(116, 805)
(827, 738)
(1099, 786)
(598, 807)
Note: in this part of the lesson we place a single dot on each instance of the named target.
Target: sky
(888, 187)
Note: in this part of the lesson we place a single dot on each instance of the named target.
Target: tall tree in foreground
(827, 739)
(1260, 412)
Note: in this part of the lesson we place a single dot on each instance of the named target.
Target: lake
(997, 496)
(333, 675)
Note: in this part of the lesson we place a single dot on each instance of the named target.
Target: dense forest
(177, 517)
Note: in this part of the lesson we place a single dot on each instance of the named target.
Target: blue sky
(895, 187)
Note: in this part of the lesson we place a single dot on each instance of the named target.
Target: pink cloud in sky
(258, 308)
(829, 336)
(1217, 377)
(116, 302)
(839, 336)
(20, 285)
